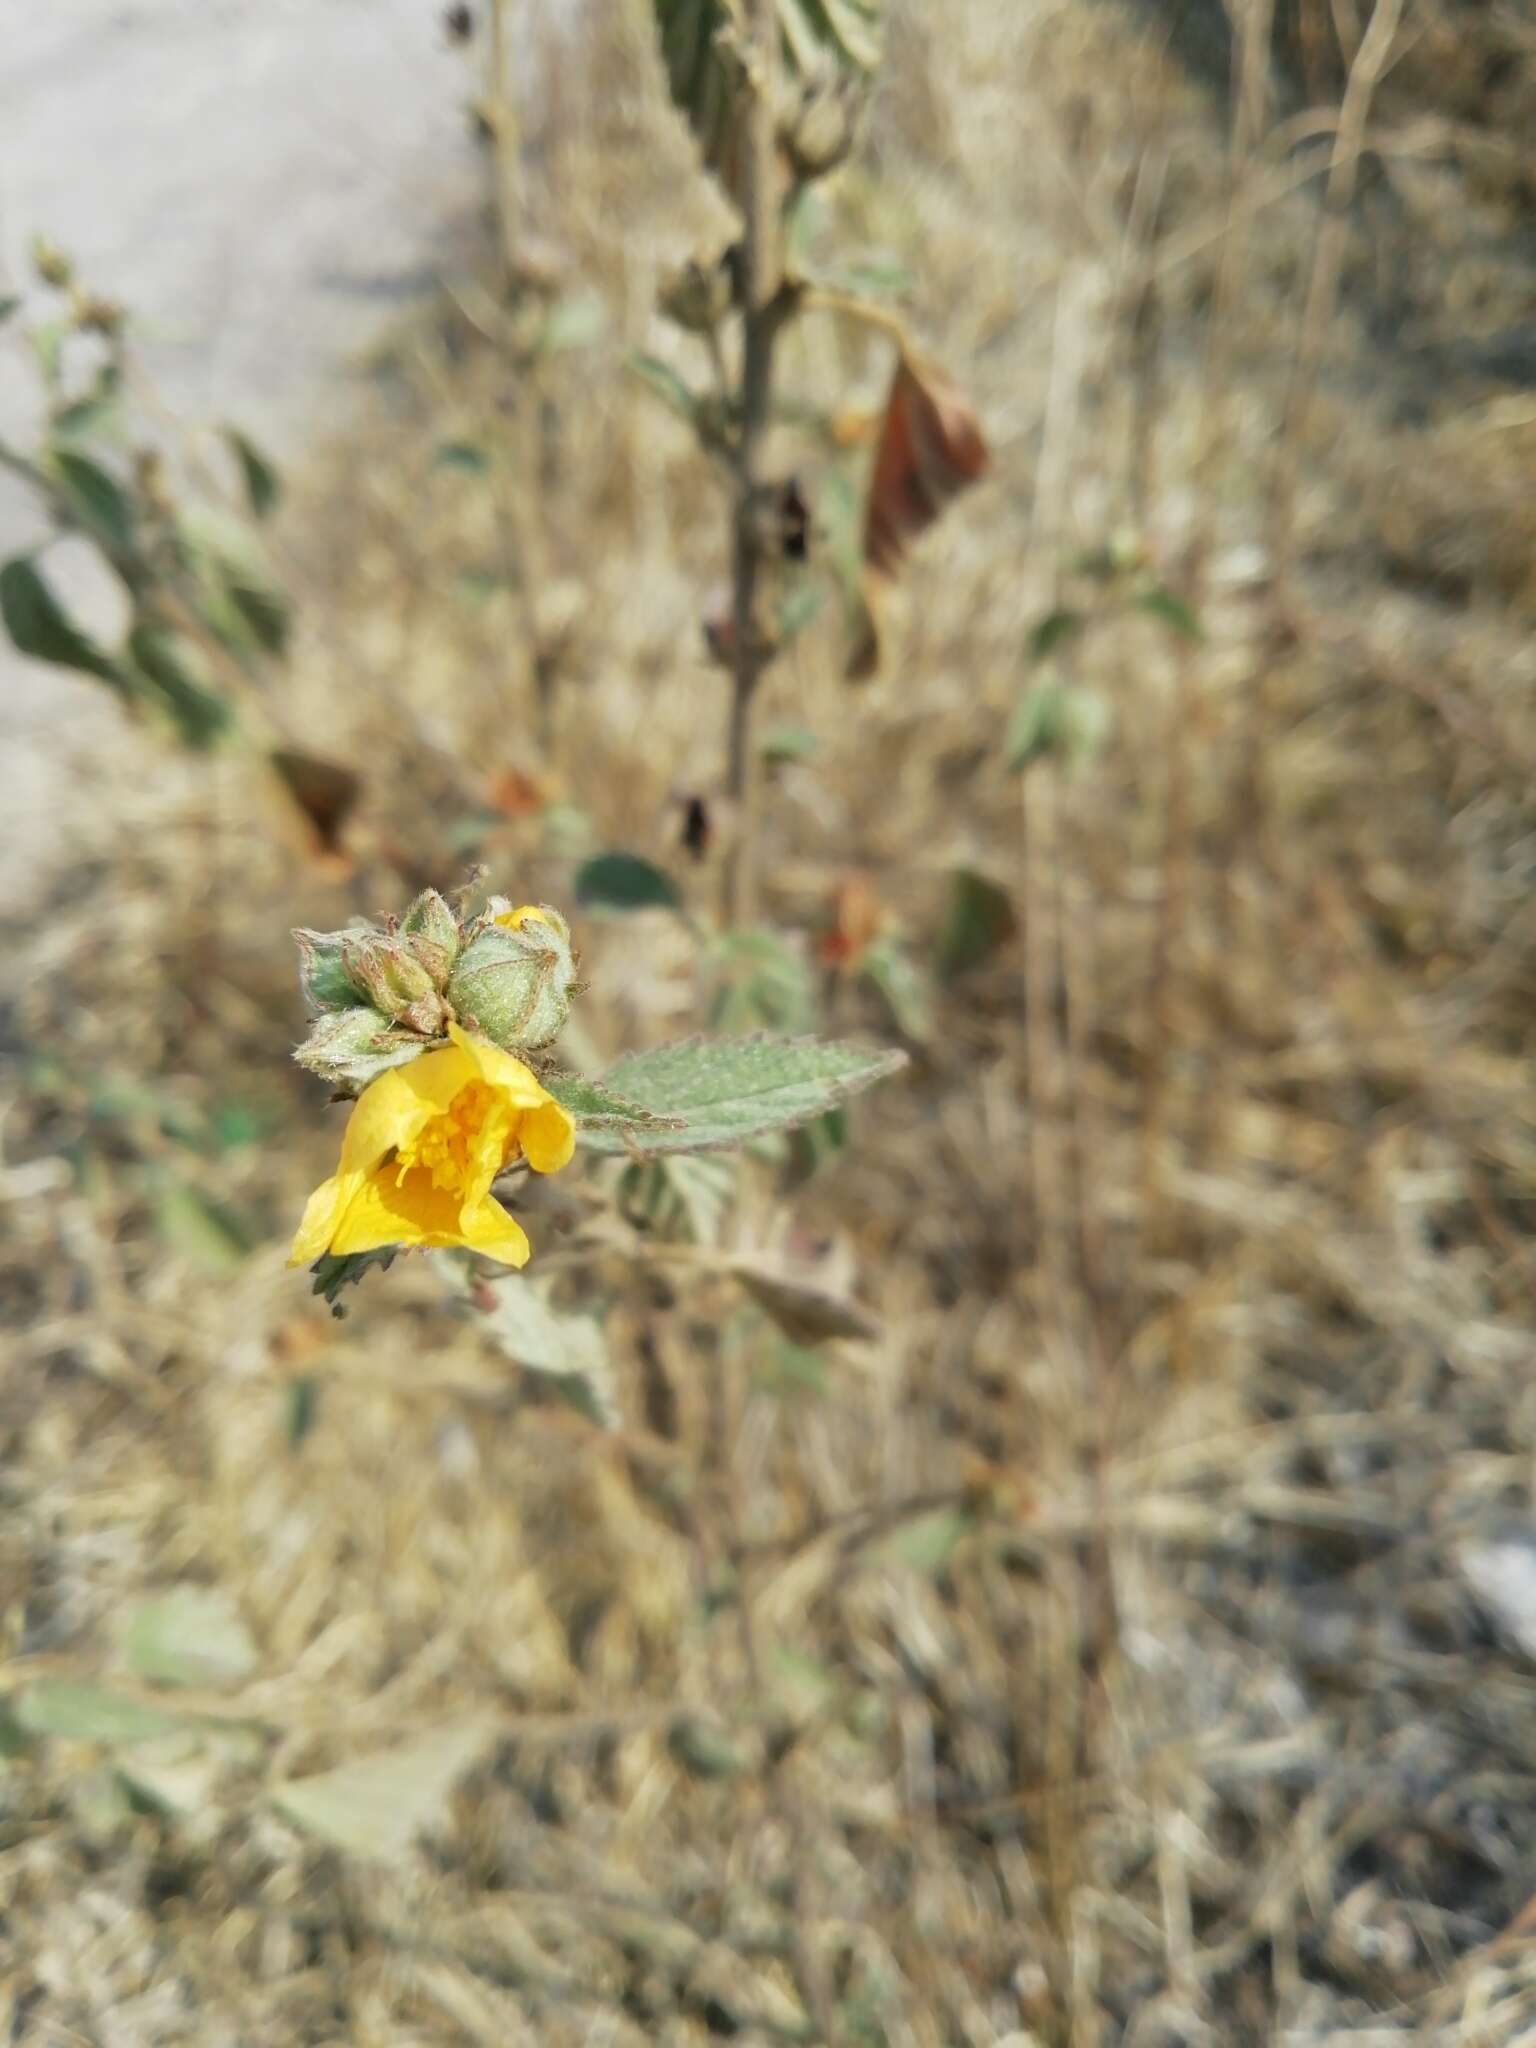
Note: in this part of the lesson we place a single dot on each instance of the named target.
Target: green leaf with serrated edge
(257, 475)
(1049, 632)
(96, 499)
(591, 1103)
(376, 1806)
(83, 1712)
(192, 1635)
(170, 667)
(623, 881)
(728, 1090)
(1179, 616)
(40, 627)
(978, 919)
(333, 1271)
(667, 384)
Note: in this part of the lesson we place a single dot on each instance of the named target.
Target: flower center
(444, 1149)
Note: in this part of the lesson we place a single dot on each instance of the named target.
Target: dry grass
(1096, 1656)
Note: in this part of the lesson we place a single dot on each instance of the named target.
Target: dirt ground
(1133, 1640)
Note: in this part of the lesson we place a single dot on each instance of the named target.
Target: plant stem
(761, 270)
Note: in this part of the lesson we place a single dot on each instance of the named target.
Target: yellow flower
(422, 1146)
(514, 920)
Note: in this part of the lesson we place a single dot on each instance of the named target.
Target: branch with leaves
(773, 90)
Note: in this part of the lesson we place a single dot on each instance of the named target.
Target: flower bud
(323, 976)
(394, 981)
(432, 932)
(696, 296)
(350, 1048)
(817, 130)
(514, 981)
(53, 267)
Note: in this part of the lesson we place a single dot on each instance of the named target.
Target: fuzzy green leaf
(590, 1102)
(98, 501)
(568, 1350)
(40, 627)
(979, 918)
(262, 487)
(1179, 616)
(728, 1090)
(762, 982)
(1049, 632)
(192, 1635)
(83, 1712)
(170, 667)
(377, 1806)
(623, 881)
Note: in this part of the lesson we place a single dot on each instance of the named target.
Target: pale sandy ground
(266, 182)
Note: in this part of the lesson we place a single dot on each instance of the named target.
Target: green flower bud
(514, 980)
(432, 932)
(394, 981)
(350, 1048)
(323, 975)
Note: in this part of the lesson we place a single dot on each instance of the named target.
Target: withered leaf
(931, 447)
(324, 792)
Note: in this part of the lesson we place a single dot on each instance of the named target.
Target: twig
(760, 272)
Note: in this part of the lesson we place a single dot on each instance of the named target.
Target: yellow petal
(508, 1076)
(514, 920)
(313, 1237)
(383, 1209)
(489, 1230)
(393, 1109)
(548, 1136)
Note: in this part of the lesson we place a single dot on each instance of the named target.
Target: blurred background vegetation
(1096, 1602)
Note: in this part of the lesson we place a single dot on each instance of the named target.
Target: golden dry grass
(1097, 1655)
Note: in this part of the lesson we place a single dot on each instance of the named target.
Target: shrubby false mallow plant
(438, 1026)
